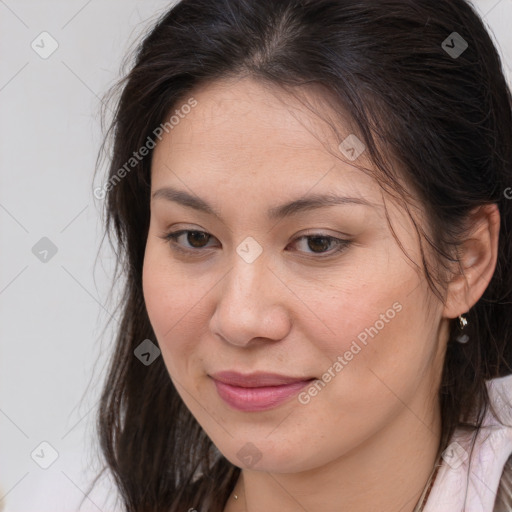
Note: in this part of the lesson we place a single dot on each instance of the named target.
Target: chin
(260, 454)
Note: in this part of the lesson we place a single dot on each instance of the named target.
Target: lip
(257, 391)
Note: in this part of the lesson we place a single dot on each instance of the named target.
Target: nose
(251, 305)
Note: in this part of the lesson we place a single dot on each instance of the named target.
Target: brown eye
(190, 240)
(320, 244)
(197, 238)
(193, 241)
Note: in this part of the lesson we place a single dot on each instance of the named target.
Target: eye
(320, 243)
(197, 240)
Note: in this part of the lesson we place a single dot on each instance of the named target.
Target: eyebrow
(310, 202)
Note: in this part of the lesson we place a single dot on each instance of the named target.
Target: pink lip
(256, 391)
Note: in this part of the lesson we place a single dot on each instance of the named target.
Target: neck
(389, 471)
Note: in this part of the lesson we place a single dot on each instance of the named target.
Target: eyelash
(172, 237)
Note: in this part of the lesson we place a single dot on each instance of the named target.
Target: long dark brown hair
(445, 118)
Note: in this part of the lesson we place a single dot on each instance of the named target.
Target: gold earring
(462, 321)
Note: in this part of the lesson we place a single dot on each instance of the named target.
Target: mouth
(257, 391)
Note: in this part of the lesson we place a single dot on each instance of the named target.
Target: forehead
(242, 130)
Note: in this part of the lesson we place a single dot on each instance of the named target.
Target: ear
(478, 255)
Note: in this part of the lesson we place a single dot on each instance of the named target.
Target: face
(293, 334)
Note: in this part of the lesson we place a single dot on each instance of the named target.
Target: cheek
(374, 326)
(360, 305)
(173, 306)
(385, 349)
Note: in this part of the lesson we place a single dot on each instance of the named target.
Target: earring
(462, 338)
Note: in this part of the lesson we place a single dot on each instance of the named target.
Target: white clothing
(484, 466)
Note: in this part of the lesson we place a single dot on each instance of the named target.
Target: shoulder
(500, 392)
(473, 464)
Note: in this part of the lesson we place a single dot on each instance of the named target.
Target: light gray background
(52, 313)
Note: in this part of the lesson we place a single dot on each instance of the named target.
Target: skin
(368, 440)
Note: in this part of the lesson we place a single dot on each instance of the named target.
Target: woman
(309, 204)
